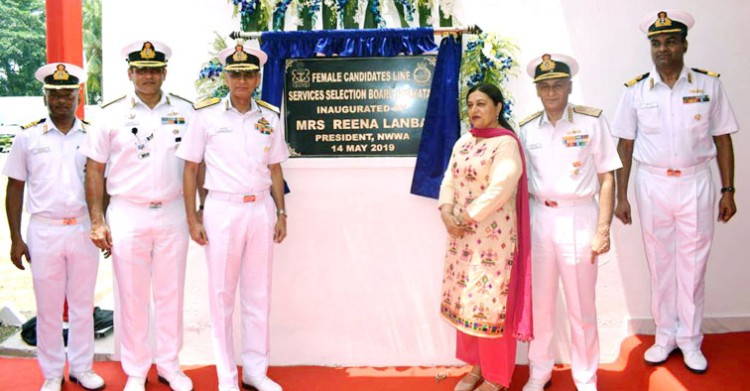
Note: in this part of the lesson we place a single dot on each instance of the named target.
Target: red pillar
(65, 35)
(65, 44)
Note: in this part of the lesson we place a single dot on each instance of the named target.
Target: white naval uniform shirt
(237, 147)
(138, 144)
(564, 160)
(674, 128)
(52, 167)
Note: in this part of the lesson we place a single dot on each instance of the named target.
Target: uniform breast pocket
(260, 145)
(214, 132)
(695, 118)
(42, 161)
(648, 119)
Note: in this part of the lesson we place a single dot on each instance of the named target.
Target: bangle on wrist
(727, 189)
(281, 212)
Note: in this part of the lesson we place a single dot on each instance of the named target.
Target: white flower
(446, 6)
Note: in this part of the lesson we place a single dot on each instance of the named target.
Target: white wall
(357, 281)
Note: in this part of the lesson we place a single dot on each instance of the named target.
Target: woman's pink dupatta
(518, 319)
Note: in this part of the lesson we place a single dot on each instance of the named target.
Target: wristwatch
(727, 189)
(281, 212)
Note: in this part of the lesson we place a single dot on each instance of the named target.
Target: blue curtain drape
(283, 45)
(441, 123)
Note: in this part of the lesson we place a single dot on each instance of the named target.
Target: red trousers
(496, 356)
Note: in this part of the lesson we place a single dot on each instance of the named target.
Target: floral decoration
(279, 13)
(491, 59)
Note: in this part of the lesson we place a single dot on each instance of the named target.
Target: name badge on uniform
(36, 151)
(648, 105)
(695, 99)
(535, 146)
(173, 120)
(224, 130)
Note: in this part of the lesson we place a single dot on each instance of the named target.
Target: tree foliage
(92, 49)
(22, 46)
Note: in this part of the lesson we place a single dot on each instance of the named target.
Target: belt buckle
(248, 198)
(69, 221)
(550, 203)
(671, 172)
(154, 205)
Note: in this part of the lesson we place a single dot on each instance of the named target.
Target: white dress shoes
(537, 384)
(657, 354)
(260, 383)
(586, 387)
(177, 381)
(135, 384)
(695, 361)
(88, 380)
(54, 384)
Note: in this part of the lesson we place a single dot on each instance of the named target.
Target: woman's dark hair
(494, 93)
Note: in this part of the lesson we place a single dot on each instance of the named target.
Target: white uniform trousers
(149, 252)
(64, 263)
(561, 249)
(677, 221)
(240, 248)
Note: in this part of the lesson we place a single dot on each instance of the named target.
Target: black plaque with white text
(346, 107)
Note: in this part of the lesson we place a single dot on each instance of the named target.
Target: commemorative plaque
(347, 107)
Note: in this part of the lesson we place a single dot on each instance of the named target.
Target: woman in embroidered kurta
(481, 290)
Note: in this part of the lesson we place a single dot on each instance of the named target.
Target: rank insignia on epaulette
(530, 118)
(181, 98)
(705, 72)
(590, 111)
(33, 123)
(637, 79)
(113, 101)
(264, 126)
(267, 105)
(206, 103)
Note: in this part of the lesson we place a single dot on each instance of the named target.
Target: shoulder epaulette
(206, 103)
(705, 72)
(637, 79)
(530, 118)
(181, 98)
(590, 111)
(267, 105)
(113, 101)
(33, 123)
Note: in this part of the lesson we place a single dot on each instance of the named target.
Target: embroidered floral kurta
(482, 177)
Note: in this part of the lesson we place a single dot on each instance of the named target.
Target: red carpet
(728, 355)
